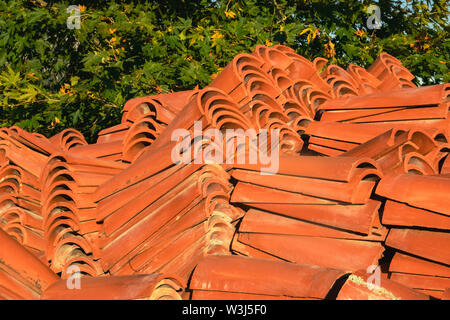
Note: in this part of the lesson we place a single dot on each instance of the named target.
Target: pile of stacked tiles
(360, 193)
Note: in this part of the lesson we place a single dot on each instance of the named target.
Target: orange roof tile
(363, 172)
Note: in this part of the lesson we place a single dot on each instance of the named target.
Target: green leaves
(52, 77)
(9, 78)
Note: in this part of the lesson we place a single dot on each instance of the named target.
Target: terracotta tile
(427, 95)
(221, 295)
(37, 143)
(24, 267)
(347, 255)
(256, 221)
(263, 277)
(403, 263)
(252, 194)
(399, 214)
(355, 192)
(100, 150)
(137, 287)
(431, 245)
(446, 294)
(121, 206)
(357, 288)
(342, 169)
(67, 139)
(137, 107)
(421, 282)
(114, 133)
(425, 192)
(138, 256)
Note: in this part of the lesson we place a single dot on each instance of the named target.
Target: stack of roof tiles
(363, 180)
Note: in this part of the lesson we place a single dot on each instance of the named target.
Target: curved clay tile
(216, 188)
(281, 78)
(367, 83)
(357, 191)
(340, 81)
(272, 57)
(136, 287)
(349, 255)
(68, 221)
(37, 143)
(352, 218)
(68, 139)
(425, 192)
(175, 101)
(20, 264)
(180, 254)
(308, 97)
(299, 124)
(445, 166)
(254, 195)
(261, 277)
(399, 214)
(391, 72)
(339, 169)
(105, 150)
(399, 151)
(405, 263)
(432, 286)
(140, 135)
(231, 78)
(283, 48)
(432, 245)
(24, 157)
(406, 105)
(263, 113)
(359, 287)
(114, 133)
(25, 227)
(319, 63)
(446, 294)
(137, 107)
(289, 141)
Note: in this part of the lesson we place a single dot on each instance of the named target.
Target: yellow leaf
(360, 33)
(217, 35)
(57, 120)
(329, 49)
(315, 33)
(305, 31)
(230, 14)
(182, 36)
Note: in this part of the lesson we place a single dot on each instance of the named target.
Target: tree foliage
(52, 77)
